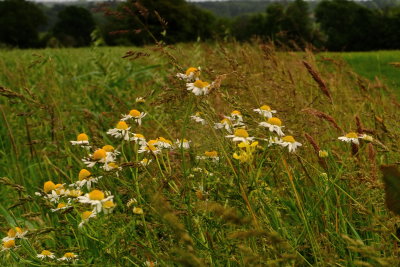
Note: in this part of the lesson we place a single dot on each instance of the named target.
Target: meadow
(249, 173)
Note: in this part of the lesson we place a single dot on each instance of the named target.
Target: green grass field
(374, 65)
(251, 202)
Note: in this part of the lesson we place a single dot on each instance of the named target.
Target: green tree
(19, 21)
(348, 25)
(74, 26)
(297, 23)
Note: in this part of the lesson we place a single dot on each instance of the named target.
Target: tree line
(337, 25)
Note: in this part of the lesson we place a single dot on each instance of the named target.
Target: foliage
(19, 22)
(74, 26)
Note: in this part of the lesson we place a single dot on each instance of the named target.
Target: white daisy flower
(86, 216)
(274, 125)
(236, 116)
(140, 100)
(265, 111)
(111, 153)
(199, 87)
(351, 137)
(183, 144)
(139, 138)
(95, 198)
(61, 206)
(134, 114)
(111, 166)
(69, 256)
(46, 254)
(82, 140)
(290, 142)
(163, 143)
(86, 178)
(52, 191)
(191, 74)
(211, 155)
(108, 206)
(226, 124)
(150, 147)
(9, 244)
(145, 162)
(197, 118)
(14, 233)
(121, 131)
(240, 135)
(99, 156)
(366, 137)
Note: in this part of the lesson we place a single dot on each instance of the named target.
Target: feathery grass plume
(228, 215)
(360, 127)
(391, 179)
(185, 258)
(323, 116)
(366, 254)
(164, 210)
(317, 78)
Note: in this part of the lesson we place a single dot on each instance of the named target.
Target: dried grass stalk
(317, 77)
(323, 116)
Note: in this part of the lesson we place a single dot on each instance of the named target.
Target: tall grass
(278, 208)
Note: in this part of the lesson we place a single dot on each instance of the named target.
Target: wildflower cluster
(193, 83)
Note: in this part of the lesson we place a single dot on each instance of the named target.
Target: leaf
(391, 178)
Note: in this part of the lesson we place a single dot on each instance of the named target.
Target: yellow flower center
(241, 133)
(9, 243)
(69, 255)
(226, 121)
(162, 139)
(85, 215)
(96, 195)
(99, 154)
(265, 107)
(74, 193)
(289, 139)
(83, 174)
(212, 154)
(275, 121)
(137, 210)
(108, 204)
(236, 112)
(108, 148)
(61, 205)
(198, 114)
(113, 165)
(121, 125)
(140, 136)
(191, 70)
(200, 84)
(134, 113)
(352, 135)
(48, 186)
(13, 231)
(82, 137)
(46, 253)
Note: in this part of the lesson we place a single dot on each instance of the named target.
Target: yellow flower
(99, 154)
(323, 153)
(137, 210)
(84, 174)
(48, 186)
